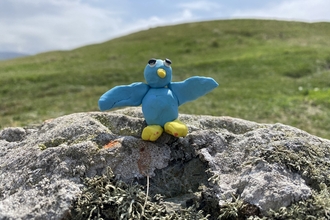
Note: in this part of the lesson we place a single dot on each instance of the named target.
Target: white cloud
(186, 14)
(40, 25)
(303, 10)
(56, 24)
(199, 10)
(180, 13)
(200, 5)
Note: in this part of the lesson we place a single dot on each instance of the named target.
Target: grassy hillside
(268, 71)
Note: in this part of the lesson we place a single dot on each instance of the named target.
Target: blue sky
(34, 26)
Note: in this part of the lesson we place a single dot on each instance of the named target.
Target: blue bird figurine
(160, 98)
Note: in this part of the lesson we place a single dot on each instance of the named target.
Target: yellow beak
(161, 73)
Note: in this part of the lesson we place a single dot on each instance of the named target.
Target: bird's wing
(119, 96)
(192, 88)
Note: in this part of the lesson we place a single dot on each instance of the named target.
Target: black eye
(152, 62)
(167, 62)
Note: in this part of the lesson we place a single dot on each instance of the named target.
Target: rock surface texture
(222, 161)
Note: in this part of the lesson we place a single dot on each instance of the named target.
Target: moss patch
(317, 207)
(107, 198)
(52, 143)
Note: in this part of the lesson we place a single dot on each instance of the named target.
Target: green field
(268, 71)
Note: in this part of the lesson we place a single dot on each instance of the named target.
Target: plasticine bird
(160, 98)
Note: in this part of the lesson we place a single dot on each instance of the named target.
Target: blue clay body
(159, 106)
(160, 98)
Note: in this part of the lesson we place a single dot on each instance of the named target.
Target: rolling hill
(6, 55)
(268, 71)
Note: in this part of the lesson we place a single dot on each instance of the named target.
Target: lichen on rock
(225, 168)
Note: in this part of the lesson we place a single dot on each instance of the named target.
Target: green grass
(268, 71)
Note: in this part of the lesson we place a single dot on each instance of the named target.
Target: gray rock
(12, 134)
(267, 166)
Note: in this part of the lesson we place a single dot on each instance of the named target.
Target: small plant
(238, 209)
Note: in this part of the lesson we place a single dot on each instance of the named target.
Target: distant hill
(269, 71)
(11, 55)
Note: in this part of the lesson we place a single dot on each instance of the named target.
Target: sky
(35, 26)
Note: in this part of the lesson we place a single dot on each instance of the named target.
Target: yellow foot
(176, 128)
(152, 132)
